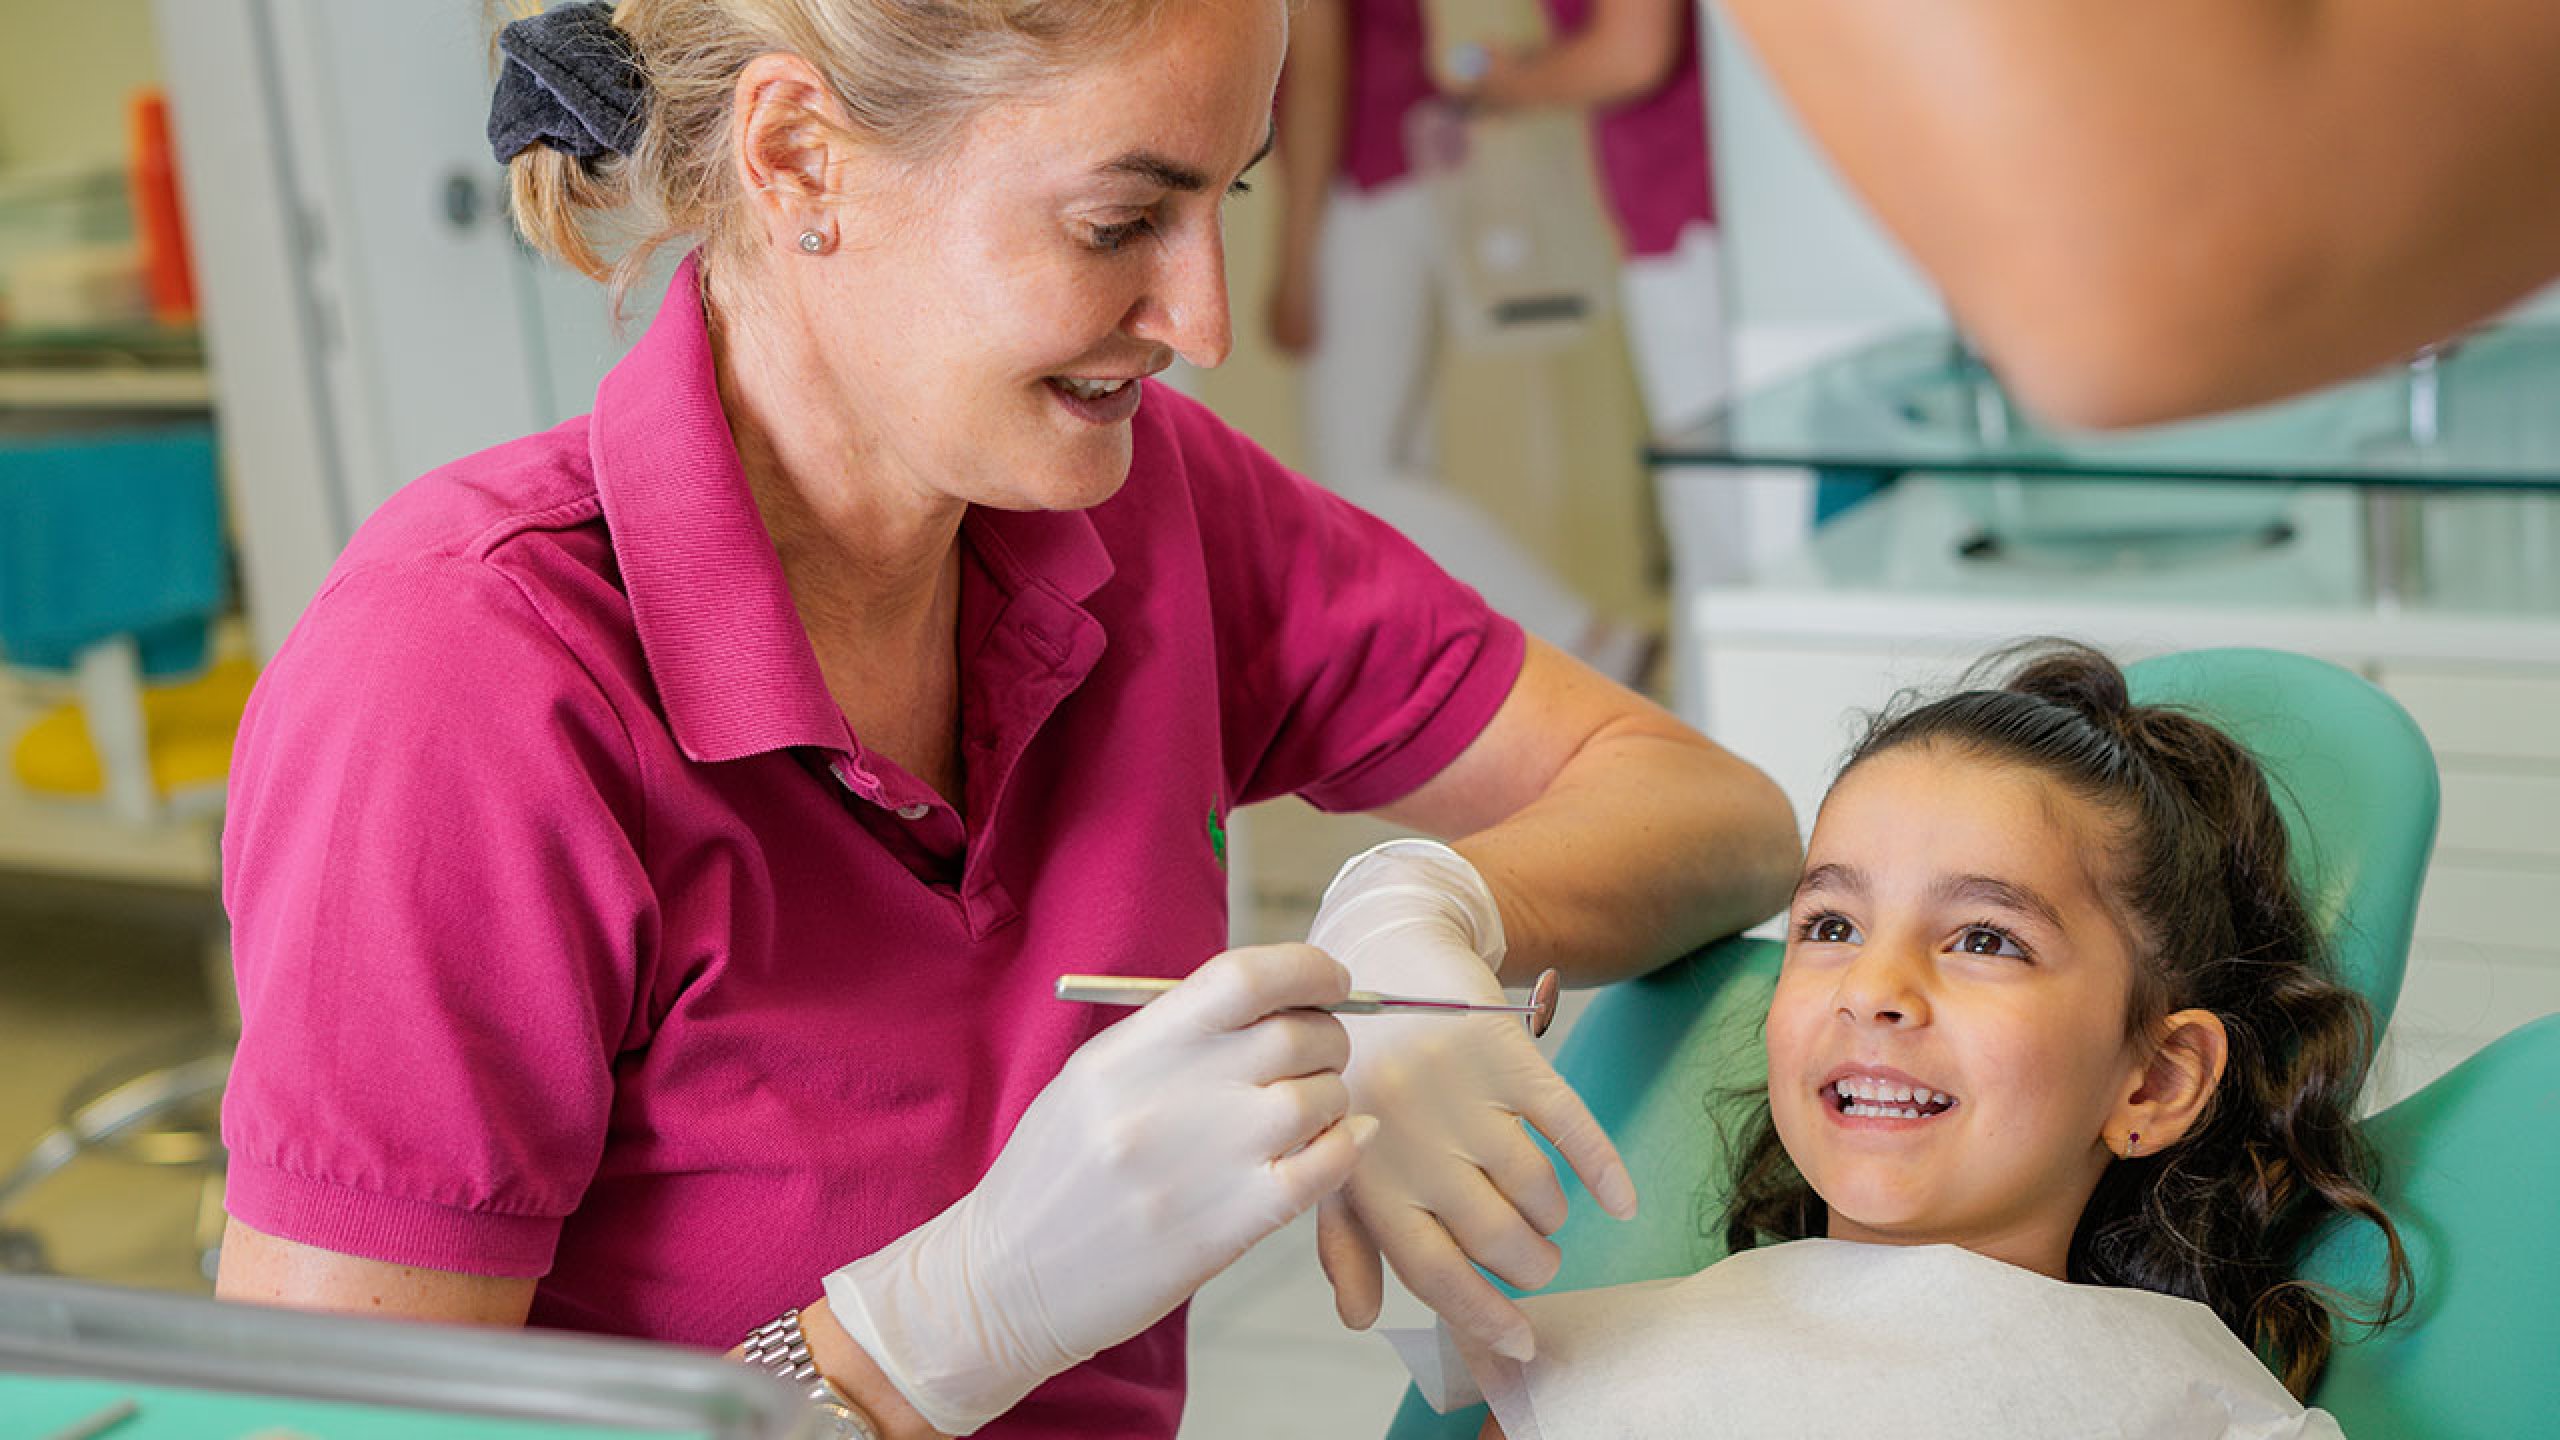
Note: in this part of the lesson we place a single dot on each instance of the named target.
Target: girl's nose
(1186, 306)
(1886, 985)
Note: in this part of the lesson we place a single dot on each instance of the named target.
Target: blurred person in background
(1357, 297)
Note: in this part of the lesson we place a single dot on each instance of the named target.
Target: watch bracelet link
(779, 1347)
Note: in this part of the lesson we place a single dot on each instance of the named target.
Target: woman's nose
(1186, 307)
(1885, 985)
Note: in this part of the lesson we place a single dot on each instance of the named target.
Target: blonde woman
(652, 856)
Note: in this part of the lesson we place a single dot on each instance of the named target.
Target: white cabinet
(1882, 600)
(2487, 955)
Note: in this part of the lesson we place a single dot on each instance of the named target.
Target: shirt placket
(920, 832)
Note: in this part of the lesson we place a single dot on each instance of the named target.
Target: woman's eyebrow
(1170, 174)
(2006, 894)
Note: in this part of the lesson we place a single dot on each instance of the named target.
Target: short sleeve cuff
(388, 1228)
(1449, 726)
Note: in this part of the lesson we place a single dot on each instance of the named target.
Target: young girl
(2060, 1084)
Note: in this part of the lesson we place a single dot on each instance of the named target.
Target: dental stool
(1669, 1062)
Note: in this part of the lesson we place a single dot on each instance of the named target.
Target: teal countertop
(33, 1407)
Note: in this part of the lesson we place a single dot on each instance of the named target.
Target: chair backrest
(2469, 1166)
(2354, 777)
(1668, 1063)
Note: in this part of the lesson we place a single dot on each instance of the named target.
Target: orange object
(156, 213)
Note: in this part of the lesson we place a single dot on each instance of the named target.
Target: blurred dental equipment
(1540, 1012)
(98, 1424)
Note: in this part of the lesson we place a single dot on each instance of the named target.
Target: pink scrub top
(1655, 164)
(1387, 74)
(578, 938)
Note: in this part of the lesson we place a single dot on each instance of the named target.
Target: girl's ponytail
(2224, 1216)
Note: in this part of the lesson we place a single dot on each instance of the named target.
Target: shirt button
(916, 811)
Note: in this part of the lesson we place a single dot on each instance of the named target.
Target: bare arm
(1623, 52)
(2143, 211)
(1614, 837)
(263, 1269)
(1309, 153)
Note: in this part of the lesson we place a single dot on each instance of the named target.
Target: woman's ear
(2173, 1089)
(790, 139)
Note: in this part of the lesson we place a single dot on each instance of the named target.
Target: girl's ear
(2171, 1093)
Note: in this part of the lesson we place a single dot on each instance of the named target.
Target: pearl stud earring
(811, 242)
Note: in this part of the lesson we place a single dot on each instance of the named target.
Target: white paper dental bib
(1827, 1338)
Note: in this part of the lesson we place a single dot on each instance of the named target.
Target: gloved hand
(1163, 1150)
(1453, 1176)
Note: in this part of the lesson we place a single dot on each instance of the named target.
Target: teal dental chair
(1665, 1063)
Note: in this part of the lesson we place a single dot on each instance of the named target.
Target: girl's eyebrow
(2006, 894)
(1977, 889)
(1832, 875)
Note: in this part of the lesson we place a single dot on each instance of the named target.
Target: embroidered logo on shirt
(1218, 836)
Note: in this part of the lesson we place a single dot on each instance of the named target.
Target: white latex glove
(1163, 1150)
(1453, 1176)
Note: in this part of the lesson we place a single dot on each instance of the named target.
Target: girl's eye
(1828, 929)
(1989, 940)
(1107, 238)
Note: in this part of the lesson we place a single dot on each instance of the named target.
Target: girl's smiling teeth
(1084, 389)
(1872, 1097)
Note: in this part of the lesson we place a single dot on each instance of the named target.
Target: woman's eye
(1829, 930)
(1107, 238)
(1989, 940)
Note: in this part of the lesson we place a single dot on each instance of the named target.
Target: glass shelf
(2482, 415)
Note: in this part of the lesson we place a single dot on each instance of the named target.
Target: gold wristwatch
(779, 1347)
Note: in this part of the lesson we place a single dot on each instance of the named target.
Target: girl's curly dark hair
(2203, 877)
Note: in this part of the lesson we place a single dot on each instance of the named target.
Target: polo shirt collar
(715, 617)
(1058, 551)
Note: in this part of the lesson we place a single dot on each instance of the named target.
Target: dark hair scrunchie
(571, 79)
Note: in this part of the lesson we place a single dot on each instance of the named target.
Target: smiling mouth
(1864, 1097)
(1089, 389)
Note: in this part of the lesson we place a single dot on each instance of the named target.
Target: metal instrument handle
(1139, 989)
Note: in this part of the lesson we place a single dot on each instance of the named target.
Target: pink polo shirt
(577, 937)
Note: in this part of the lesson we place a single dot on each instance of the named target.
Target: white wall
(1805, 264)
(361, 330)
(67, 70)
